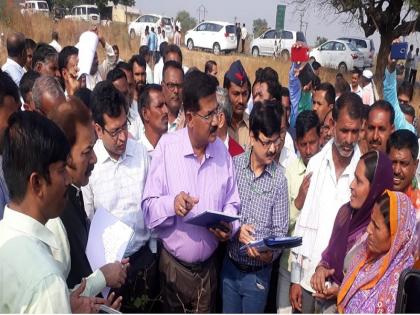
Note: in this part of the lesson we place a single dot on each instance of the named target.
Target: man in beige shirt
(237, 83)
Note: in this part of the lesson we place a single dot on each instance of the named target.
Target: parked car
(137, 27)
(338, 54)
(276, 43)
(214, 35)
(85, 12)
(36, 6)
(365, 45)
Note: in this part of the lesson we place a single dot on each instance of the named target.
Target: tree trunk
(382, 61)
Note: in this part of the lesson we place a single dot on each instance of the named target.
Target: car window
(143, 18)
(287, 35)
(202, 27)
(300, 37)
(339, 46)
(93, 11)
(372, 46)
(154, 19)
(79, 11)
(73, 11)
(83, 10)
(166, 21)
(328, 46)
(352, 47)
(43, 5)
(230, 29)
(215, 27)
(270, 34)
(361, 43)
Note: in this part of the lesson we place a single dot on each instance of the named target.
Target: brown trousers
(187, 290)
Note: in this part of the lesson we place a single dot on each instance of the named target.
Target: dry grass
(39, 28)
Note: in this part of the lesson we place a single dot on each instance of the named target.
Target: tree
(187, 21)
(320, 40)
(390, 18)
(259, 26)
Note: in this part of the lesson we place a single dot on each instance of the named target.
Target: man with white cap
(368, 95)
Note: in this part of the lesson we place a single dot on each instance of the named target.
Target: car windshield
(166, 21)
(230, 29)
(43, 5)
(352, 47)
(93, 11)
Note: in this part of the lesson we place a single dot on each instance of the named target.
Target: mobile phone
(399, 51)
(306, 75)
(300, 54)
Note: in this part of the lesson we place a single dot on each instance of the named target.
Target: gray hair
(46, 85)
(224, 103)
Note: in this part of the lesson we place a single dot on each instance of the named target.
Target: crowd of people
(156, 144)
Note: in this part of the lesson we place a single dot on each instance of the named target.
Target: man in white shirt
(32, 280)
(154, 114)
(16, 57)
(244, 34)
(138, 67)
(332, 172)
(368, 94)
(116, 185)
(145, 53)
(67, 65)
(168, 52)
(355, 82)
(54, 42)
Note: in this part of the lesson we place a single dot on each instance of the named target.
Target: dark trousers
(141, 292)
(187, 288)
(238, 40)
(243, 45)
(413, 75)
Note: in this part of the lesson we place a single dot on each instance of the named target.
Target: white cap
(367, 74)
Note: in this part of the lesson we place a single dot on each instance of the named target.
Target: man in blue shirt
(152, 42)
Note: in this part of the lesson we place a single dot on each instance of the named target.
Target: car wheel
(342, 67)
(285, 55)
(255, 51)
(190, 44)
(216, 48)
(132, 34)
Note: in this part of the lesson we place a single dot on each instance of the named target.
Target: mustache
(378, 142)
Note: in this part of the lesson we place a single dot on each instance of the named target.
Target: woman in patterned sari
(371, 283)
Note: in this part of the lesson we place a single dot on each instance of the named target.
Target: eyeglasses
(172, 86)
(209, 116)
(117, 132)
(267, 144)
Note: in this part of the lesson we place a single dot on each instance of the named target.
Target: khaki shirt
(241, 134)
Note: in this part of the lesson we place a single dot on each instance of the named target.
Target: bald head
(16, 49)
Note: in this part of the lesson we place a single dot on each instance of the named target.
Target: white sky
(319, 23)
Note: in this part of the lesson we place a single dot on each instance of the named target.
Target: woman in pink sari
(371, 282)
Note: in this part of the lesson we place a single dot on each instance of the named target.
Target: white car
(137, 27)
(36, 7)
(85, 12)
(217, 36)
(365, 46)
(338, 54)
(276, 43)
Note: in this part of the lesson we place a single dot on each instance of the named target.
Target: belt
(193, 267)
(245, 268)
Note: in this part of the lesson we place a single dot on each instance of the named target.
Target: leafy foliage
(187, 21)
(259, 26)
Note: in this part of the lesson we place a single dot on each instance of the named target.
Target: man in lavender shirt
(191, 172)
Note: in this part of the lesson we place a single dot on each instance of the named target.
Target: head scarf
(372, 287)
(351, 223)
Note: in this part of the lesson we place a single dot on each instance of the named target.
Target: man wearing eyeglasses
(191, 172)
(172, 86)
(117, 184)
(264, 213)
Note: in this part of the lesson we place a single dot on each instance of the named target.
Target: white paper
(108, 240)
(87, 45)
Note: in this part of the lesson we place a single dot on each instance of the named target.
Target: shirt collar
(15, 64)
(301, 167)
(270, 169)
(102, 154)
(188, 149)
(28, 225)
(349, 170)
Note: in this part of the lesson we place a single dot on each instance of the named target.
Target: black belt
(246, 268)
(193, 267)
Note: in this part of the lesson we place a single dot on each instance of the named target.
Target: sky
(320, 23)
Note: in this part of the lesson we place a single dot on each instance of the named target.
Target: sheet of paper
(108, 240)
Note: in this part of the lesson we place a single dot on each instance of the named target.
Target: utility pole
(200, 9)
(302, 13)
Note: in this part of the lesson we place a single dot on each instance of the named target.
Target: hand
(303, 191)
(329, 293)
(245, 234)
(295, 296)
(392, 62)
(183, 203)
(221, 235)
(81, 304)
(114, 302)
(115, 273)
(74, 83)
(319, 277)
(266, 256)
